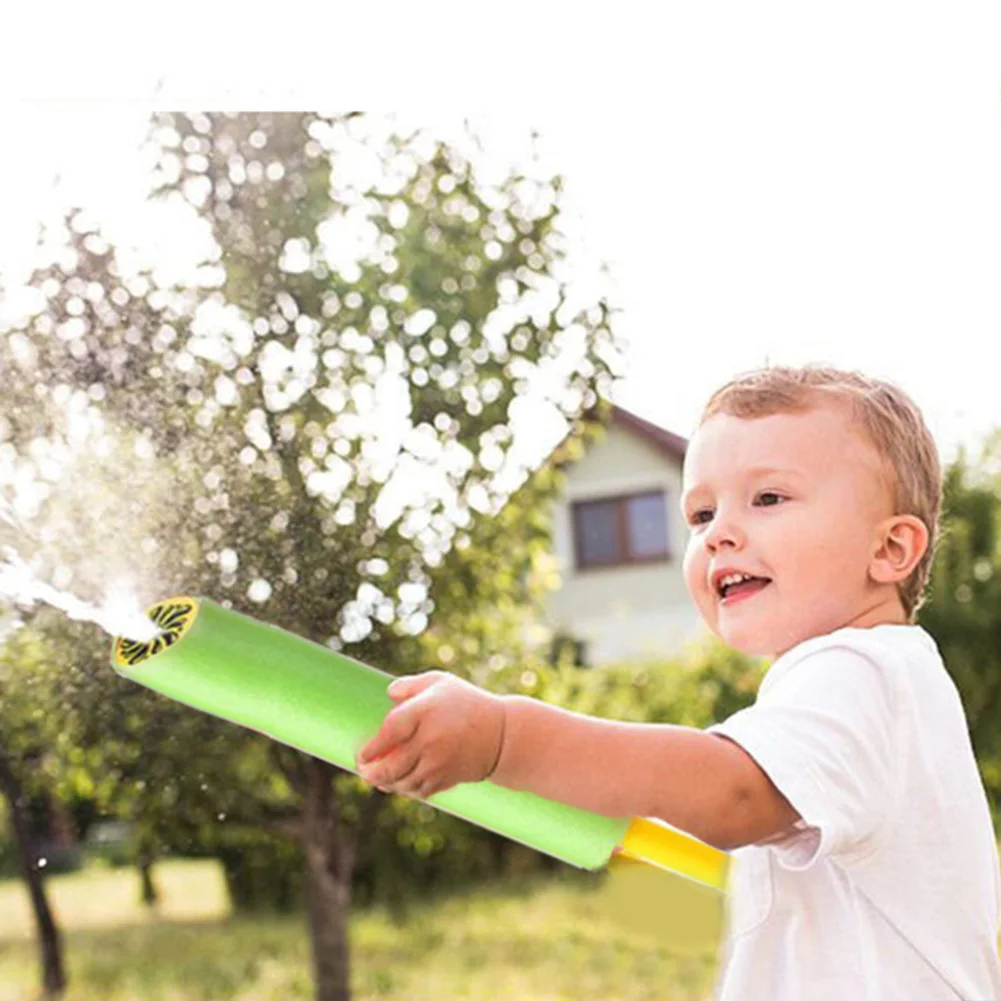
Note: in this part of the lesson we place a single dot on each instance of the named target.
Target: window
(620, 530)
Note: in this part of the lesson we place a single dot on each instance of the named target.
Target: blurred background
(415, 381)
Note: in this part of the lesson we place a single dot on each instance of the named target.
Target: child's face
(811, 527)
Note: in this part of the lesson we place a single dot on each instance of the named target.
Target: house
(619, 541)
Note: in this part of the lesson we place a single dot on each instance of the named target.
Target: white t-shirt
(889, 888)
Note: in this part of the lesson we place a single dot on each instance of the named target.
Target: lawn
(634, 933)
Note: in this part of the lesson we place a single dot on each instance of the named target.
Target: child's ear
(903, 540)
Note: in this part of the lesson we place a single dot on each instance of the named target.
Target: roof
(672, 445)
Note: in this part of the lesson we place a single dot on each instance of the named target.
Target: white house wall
(626, 611)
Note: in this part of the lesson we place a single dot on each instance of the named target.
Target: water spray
(328, 705)
(19, 583)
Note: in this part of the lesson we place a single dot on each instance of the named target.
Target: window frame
(624, 558)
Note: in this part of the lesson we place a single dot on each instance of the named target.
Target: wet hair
(888, 418)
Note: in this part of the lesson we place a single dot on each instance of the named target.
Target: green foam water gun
(311, 698)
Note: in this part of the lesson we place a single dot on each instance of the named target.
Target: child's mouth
(744, 590)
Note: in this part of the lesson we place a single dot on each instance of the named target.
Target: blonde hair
(888, 417)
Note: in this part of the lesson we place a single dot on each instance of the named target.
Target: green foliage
(29, 760)
(963, 608)
(706, 683)
(9, 861)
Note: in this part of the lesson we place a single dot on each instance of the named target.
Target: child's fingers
(397, 728)
(376, 760)
(393, 772)
(412, 684)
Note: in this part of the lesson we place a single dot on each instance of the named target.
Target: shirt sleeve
(824, 733)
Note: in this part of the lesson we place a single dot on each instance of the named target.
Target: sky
(769, 184)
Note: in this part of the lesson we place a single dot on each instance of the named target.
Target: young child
(865, 863)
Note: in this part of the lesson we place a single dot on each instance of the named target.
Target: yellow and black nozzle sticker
(174, 618)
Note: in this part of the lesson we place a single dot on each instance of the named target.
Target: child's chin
(752, 649)
(751, 643)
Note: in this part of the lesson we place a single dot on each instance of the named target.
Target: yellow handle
(663, 846)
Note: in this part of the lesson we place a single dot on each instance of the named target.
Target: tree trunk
(49, 940)
(149, 892)
(145, 857)
(330, 858)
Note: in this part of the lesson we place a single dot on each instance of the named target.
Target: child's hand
(443, 731)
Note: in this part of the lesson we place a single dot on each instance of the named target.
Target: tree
(25, 738)
(329, 408)
(963, 610)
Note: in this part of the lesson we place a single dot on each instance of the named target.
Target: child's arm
(445, 730)
(699, 782)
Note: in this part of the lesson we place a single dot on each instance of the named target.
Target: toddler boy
(865, 863)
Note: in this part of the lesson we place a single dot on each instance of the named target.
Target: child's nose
(723, 529)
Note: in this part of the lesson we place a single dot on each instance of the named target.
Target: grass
(573, 935)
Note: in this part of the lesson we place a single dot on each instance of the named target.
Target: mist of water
(120, 614)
